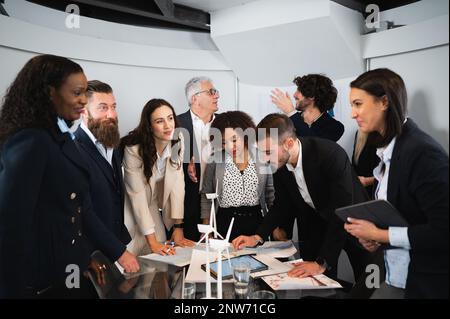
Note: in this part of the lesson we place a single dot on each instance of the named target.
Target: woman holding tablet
(413, 176)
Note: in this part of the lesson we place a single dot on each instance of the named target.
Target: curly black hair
(234, 120)
(143, 136)
(320, 88)
(27, 102)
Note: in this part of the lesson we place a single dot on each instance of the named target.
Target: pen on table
(172, 245)
(318, 281)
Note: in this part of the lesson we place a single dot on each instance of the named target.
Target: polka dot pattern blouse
(239, 188)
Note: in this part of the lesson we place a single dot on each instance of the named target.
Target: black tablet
(379, 212)
(227, 272)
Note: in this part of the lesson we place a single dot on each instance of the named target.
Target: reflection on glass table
(155, 280)
(158, 280)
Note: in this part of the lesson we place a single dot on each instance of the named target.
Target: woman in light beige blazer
(154, 182)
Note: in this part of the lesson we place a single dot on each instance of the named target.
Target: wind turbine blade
(215, 225)
(217, 234)
(229, 230)
(211, 214)
(202, 238)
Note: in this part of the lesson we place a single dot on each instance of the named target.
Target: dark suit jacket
(45, 210)
(325, 127)
(192, 196)
(331, 183)
(418, 188)
(107, 194)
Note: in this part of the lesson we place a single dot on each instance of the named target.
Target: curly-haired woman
(244, 184)
(154, 181)
(45, 207)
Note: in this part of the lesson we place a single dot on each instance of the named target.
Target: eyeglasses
(211, 92)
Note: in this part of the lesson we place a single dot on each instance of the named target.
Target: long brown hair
(380, 83)
(143, 136)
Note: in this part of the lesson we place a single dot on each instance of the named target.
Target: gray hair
(194, 86)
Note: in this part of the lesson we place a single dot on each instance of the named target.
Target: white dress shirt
(300, 178)
(396, 260)
(107, 153)
(161, 161)
(201, 133)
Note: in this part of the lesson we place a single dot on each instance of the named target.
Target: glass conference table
(158, 280)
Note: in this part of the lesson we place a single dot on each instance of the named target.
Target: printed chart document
(284, 282)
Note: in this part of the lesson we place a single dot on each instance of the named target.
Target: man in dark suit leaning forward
(313, 177)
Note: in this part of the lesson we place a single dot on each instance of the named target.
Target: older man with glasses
(203, 101)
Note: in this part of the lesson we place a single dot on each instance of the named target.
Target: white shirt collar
(196, 118)
(88, 132)
(165, 154)
(385, 153)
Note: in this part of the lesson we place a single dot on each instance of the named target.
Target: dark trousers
(246, 220)
(191, 212)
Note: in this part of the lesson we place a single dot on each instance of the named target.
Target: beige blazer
(141, 207)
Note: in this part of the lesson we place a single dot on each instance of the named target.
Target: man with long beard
(98, 137)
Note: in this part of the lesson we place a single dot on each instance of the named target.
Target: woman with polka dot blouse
(244, 185)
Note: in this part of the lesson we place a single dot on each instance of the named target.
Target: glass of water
(241, 275)
(189, 290)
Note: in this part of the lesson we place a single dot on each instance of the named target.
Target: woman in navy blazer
(413, 177)
(45, 208)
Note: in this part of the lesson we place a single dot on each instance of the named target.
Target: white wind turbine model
(220, 245)
(206, 230)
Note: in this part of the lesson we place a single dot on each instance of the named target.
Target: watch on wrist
(323, 263)
(180, 225)
(259, 241)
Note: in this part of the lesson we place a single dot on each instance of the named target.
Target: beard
(105, 131)
(303, 104)
(283, 159)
